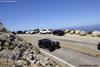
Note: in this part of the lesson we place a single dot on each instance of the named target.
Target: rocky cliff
(16, 52)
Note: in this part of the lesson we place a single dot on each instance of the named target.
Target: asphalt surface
(75, 58)
(84, 41)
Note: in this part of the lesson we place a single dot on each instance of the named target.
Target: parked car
(34, 31)
(48, 44)
(43, 31)
(58, 32)
(19, 32)
(49, 31)
(98, 46)
(24, 32)
(27, 32)
(13, 32)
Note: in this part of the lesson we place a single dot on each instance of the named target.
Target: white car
(49, 31)
(27, 32)
(45, 31)
(31, 32)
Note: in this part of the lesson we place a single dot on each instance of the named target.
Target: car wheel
(58, 45)
(51, 49)
(39, 46)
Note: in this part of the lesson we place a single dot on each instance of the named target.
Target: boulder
(77, 32)
(22, 54)
(67, 31)
(22, 63)
(72, 31)
(7, 63)
(96, 33)
(83, 33)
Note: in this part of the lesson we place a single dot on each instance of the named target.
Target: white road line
(58, 59)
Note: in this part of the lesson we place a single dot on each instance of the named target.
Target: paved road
(71, 56)
(90, 42)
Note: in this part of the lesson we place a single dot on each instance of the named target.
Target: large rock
(77, 32)
(7, 62)
(22, 53)
(96, 33)
(67, 31)
(83, 33)
(72, 31)
(22, 63)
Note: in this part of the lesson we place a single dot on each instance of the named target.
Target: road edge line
(58, 59)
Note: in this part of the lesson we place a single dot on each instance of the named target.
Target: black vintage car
(48, 44)
(98, 46)
(58, 32)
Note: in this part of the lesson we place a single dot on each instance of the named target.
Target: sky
(31, 14)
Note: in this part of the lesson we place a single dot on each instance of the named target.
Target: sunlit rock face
(96, 33)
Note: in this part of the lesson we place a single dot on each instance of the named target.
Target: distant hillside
(87, 28)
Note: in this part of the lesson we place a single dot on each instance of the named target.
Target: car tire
(58, 45)
(40, 45)
(51, 49)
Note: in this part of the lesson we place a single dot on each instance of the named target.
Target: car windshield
(44, 30)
